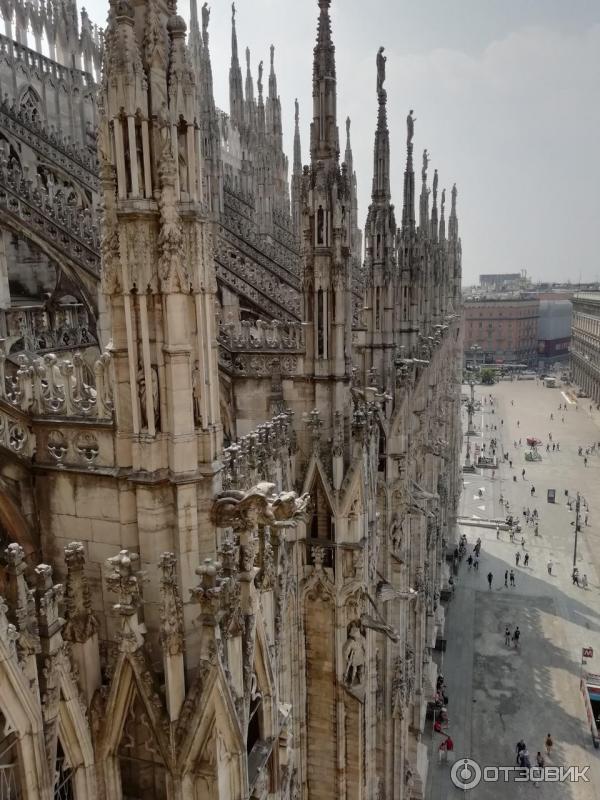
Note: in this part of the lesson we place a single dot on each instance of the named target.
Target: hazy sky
(507, 99)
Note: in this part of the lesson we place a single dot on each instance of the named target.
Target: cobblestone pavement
(497, 694)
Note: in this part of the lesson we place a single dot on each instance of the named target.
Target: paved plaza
(498, 695)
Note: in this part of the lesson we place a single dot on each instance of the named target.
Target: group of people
(582, 582)
(524, 759)
(441, 720)
(512, 639)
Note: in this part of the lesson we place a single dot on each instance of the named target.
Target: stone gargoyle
(259, 505)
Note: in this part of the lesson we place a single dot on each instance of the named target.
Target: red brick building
(504, 327)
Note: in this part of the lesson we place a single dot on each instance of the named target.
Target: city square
(498, 694)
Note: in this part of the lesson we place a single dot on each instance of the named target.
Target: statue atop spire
(205, 21)
(454, 193)
(410, 127)
(259, 82)
(381, 59)
(443, 201)
(425, 165)
(435, 184)
(348, 123)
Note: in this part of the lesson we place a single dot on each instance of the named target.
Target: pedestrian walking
(520, 748)
(539, 760)
(586, 519)
(549, 567)
(510, 465)
(518, 425)
(507, 636)
(517, 558)
(523, 542)
(517, 637)
(506, 579)
(512, 577)
(490, 578)
(498, 529)
(537, 529)
(523, 473)
(476, 563)
(526, 560)
(575, 576)
(470, 561)
(549, 744)
(532, 491)
(584, 581)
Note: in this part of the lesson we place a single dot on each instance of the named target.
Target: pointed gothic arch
(212, 751)
(133, 723)
(23, 718)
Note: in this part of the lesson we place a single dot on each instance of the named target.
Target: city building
(585, 343)
(229, 446)
(504, 281)
(501, 329)
(554, 328)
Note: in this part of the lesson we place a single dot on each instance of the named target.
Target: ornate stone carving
(81, 623)
(174, 276)
(171, 609)
(258, 506)
(125, 582)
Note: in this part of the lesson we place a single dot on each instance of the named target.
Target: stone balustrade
(263, 336)
(45, 386)
(73, 230)
(32, 60)
(79, 162)
(37, 328)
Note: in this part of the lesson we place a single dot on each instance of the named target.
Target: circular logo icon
(466, 773)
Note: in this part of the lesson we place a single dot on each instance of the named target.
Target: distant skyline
(507, 99)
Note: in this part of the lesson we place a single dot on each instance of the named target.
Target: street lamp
(475, 348)
(577, 528)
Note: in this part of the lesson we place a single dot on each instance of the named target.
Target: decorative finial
(381, 59)
(435, 182)
(233, 13)
(410, 127)
(272, 56)
(348, 122)
(443, 201)
(248, 58)
(425, 165)
(454, 193)
(297, 112)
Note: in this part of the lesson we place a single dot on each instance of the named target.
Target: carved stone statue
(354, 655)
(205, 19)
(197, 394)
(425, 165)
(435, 182)
(259, 82)
(410, 127)
(443, 201)
(381, 59)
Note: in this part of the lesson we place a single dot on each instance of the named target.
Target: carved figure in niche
(354, 653)
(197, 394)
(143, 397)
(320, 226)
(164, 128)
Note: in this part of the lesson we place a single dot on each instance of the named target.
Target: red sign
(587, 652)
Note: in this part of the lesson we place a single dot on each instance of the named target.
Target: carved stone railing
(263, 455)
(32, 60)
(36, 329)
(70, 229)
(262, 336)
(49, 387)
(79, 162)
